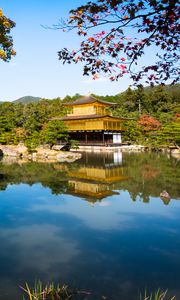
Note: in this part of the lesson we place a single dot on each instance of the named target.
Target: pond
(98, 224)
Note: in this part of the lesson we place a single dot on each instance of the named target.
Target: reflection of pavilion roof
(87, 100)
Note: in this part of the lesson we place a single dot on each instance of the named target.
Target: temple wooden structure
(90, 122)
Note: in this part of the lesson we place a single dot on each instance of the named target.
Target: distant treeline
(155, 110)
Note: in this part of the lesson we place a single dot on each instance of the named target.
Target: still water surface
(98, 224)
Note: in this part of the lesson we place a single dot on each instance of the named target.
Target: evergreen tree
(54, 132)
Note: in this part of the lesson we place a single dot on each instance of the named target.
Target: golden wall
(88, 109)
(94, 124)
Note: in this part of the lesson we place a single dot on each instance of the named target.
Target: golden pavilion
(90, 122)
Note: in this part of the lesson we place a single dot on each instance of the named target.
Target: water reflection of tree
(30, 173)
(149, 174)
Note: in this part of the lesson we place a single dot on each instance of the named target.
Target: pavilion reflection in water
(96, 174)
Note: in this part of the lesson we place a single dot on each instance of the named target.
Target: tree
(53, 132)
(125, 29)
(6, 41)
(133, 132)
(148, 123)
(142, 101)
(161, 100)
(170, 133)
(33, 117)
(129, 99)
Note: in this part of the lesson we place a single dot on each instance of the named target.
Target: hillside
(172, 90)
(27, 99)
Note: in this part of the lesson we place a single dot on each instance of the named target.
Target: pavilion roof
(81, 117)
(87, 100)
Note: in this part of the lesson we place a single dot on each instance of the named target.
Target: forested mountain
(155, 113)
(27, 99)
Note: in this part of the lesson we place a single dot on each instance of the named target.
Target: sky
(36, 70)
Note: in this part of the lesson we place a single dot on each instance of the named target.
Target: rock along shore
(41, 154)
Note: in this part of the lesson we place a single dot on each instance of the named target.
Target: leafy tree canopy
(149, 123)
(6, 41)
(124, 30)
(147, 108)
(53, 131)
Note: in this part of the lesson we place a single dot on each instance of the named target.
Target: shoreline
(111, 148)
(41, 154)
(44, 154)
(127, 148)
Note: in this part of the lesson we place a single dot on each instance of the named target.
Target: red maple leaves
(149, 123)
(151, 23)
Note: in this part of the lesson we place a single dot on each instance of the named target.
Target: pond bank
(41, 154)
(44, 154)
(127, 148)
(111, 148)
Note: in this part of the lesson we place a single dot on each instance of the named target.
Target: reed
(158, 295)
(47, 292)
(57, 292)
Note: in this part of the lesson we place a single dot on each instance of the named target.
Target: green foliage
(6, 126)
(32, 141)
(74, 144)
(27, 122)
(161, 103)
(54, 132)
(133, 132)
(170, 134)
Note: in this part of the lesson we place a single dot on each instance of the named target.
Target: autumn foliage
(116, 34)
(6, 41)
(149, 123)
